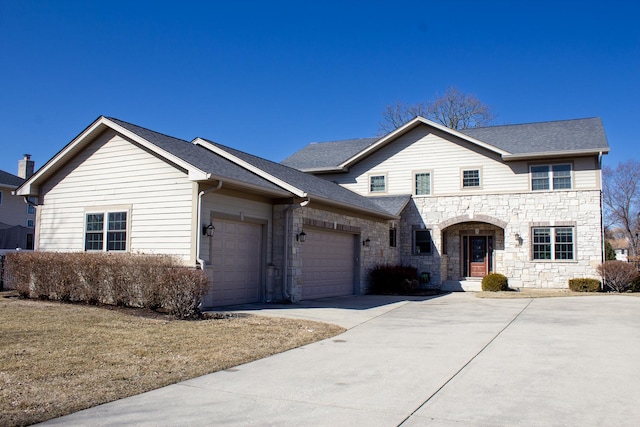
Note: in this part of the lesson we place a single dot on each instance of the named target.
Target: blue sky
(269, 77)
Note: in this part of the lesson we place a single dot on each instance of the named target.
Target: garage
(328, 260)
(236, 259)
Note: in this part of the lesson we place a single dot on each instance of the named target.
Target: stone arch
(472, 218)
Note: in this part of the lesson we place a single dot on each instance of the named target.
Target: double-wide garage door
(327, 264)
(236, 258)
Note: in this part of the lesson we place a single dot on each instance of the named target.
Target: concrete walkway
(453, 360)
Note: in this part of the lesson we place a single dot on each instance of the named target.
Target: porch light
(366, 243)
(301, 237)
(518, 239)
(208, 230)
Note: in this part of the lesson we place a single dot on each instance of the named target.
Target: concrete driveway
(453, 360)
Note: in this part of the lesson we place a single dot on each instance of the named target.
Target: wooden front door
(478, 256)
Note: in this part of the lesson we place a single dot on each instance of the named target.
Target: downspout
(199, 260)
(602, 250)
(287, 240)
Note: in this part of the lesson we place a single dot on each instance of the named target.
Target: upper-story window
(470, 178)
(547, 177)
(31, 209)
(422, 183)
(378, 183)
(109, 227)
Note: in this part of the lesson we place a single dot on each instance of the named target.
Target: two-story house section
(17, 218)
(522, 200)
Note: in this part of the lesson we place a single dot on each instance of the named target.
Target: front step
(463, 285)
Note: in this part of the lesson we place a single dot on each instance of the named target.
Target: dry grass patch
(544, 293)
(56, 359)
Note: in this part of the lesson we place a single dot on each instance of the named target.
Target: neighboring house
(276, 233)
(521, 200)
(621, 248)
(17, 217)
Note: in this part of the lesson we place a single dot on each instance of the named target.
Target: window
(378, 184)
(543, 177)
(471, 178)
(422, 183)
(30, 223)
(393, 238)
(114, 233)
(0, 197)
(421, 242)
(553, 243)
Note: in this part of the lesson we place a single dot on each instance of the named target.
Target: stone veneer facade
(504, 216)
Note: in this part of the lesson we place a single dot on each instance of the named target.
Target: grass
(56, 358)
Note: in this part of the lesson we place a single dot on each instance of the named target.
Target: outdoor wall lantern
(366, 243)
(518, 239)
(208, 230)
(301, 237)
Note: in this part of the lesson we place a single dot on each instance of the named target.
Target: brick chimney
(25, 167)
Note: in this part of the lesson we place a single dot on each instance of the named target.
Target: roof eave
(325, 170)
(373, 212)
(412, 124)
(555, 154)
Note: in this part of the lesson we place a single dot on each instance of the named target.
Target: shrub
(584, 285)
(618, 275)
(393, 279)
(181, 291)
(494, 282)
(635, 285)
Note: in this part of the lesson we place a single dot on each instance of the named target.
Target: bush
(150, 281)
(618, 276)
(393, 279)
(584, 285)
(494, 282)
(635, 285)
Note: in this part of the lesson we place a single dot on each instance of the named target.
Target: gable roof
(204, 160)
(10, 180)
(511, 142)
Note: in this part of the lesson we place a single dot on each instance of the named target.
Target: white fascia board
(195, 174)
(248, 166)
(554, 154)
(407, 127)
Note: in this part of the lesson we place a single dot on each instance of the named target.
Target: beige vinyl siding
(446, 157)
(13, 209)
(229, 205)
(113, 171)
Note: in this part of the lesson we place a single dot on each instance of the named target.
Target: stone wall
(504, 216)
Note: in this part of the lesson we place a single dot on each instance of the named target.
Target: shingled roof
(10, 180)
(515, 141)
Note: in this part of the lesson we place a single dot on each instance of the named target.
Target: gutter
(199, 260)
(602, 243)
(285, 283)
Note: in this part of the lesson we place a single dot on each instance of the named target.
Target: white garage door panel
(236, 261)
(327, 264)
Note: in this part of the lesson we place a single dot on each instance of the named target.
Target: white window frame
(554, 245)
(415, 183)
(462, 178)
(551, 176)
(370, 183)
(106, 233)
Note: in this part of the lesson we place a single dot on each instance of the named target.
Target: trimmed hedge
(393, 279)
(494, 282)
(157, 282)
(584, 285)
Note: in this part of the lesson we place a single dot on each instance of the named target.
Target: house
(521, 200)
(17, 214)
(262, 231)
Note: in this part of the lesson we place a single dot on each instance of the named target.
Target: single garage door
(236, 258)
(327, 264)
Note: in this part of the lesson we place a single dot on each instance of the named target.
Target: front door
(478, 256)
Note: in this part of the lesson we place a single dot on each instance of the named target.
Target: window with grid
(423, 183)
(552, 243)
(114, 232)
(546, 177)
(393, 238)
(471, 178)
(378, 184)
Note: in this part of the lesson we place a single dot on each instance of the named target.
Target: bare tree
(454, 109)
(621, 198)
